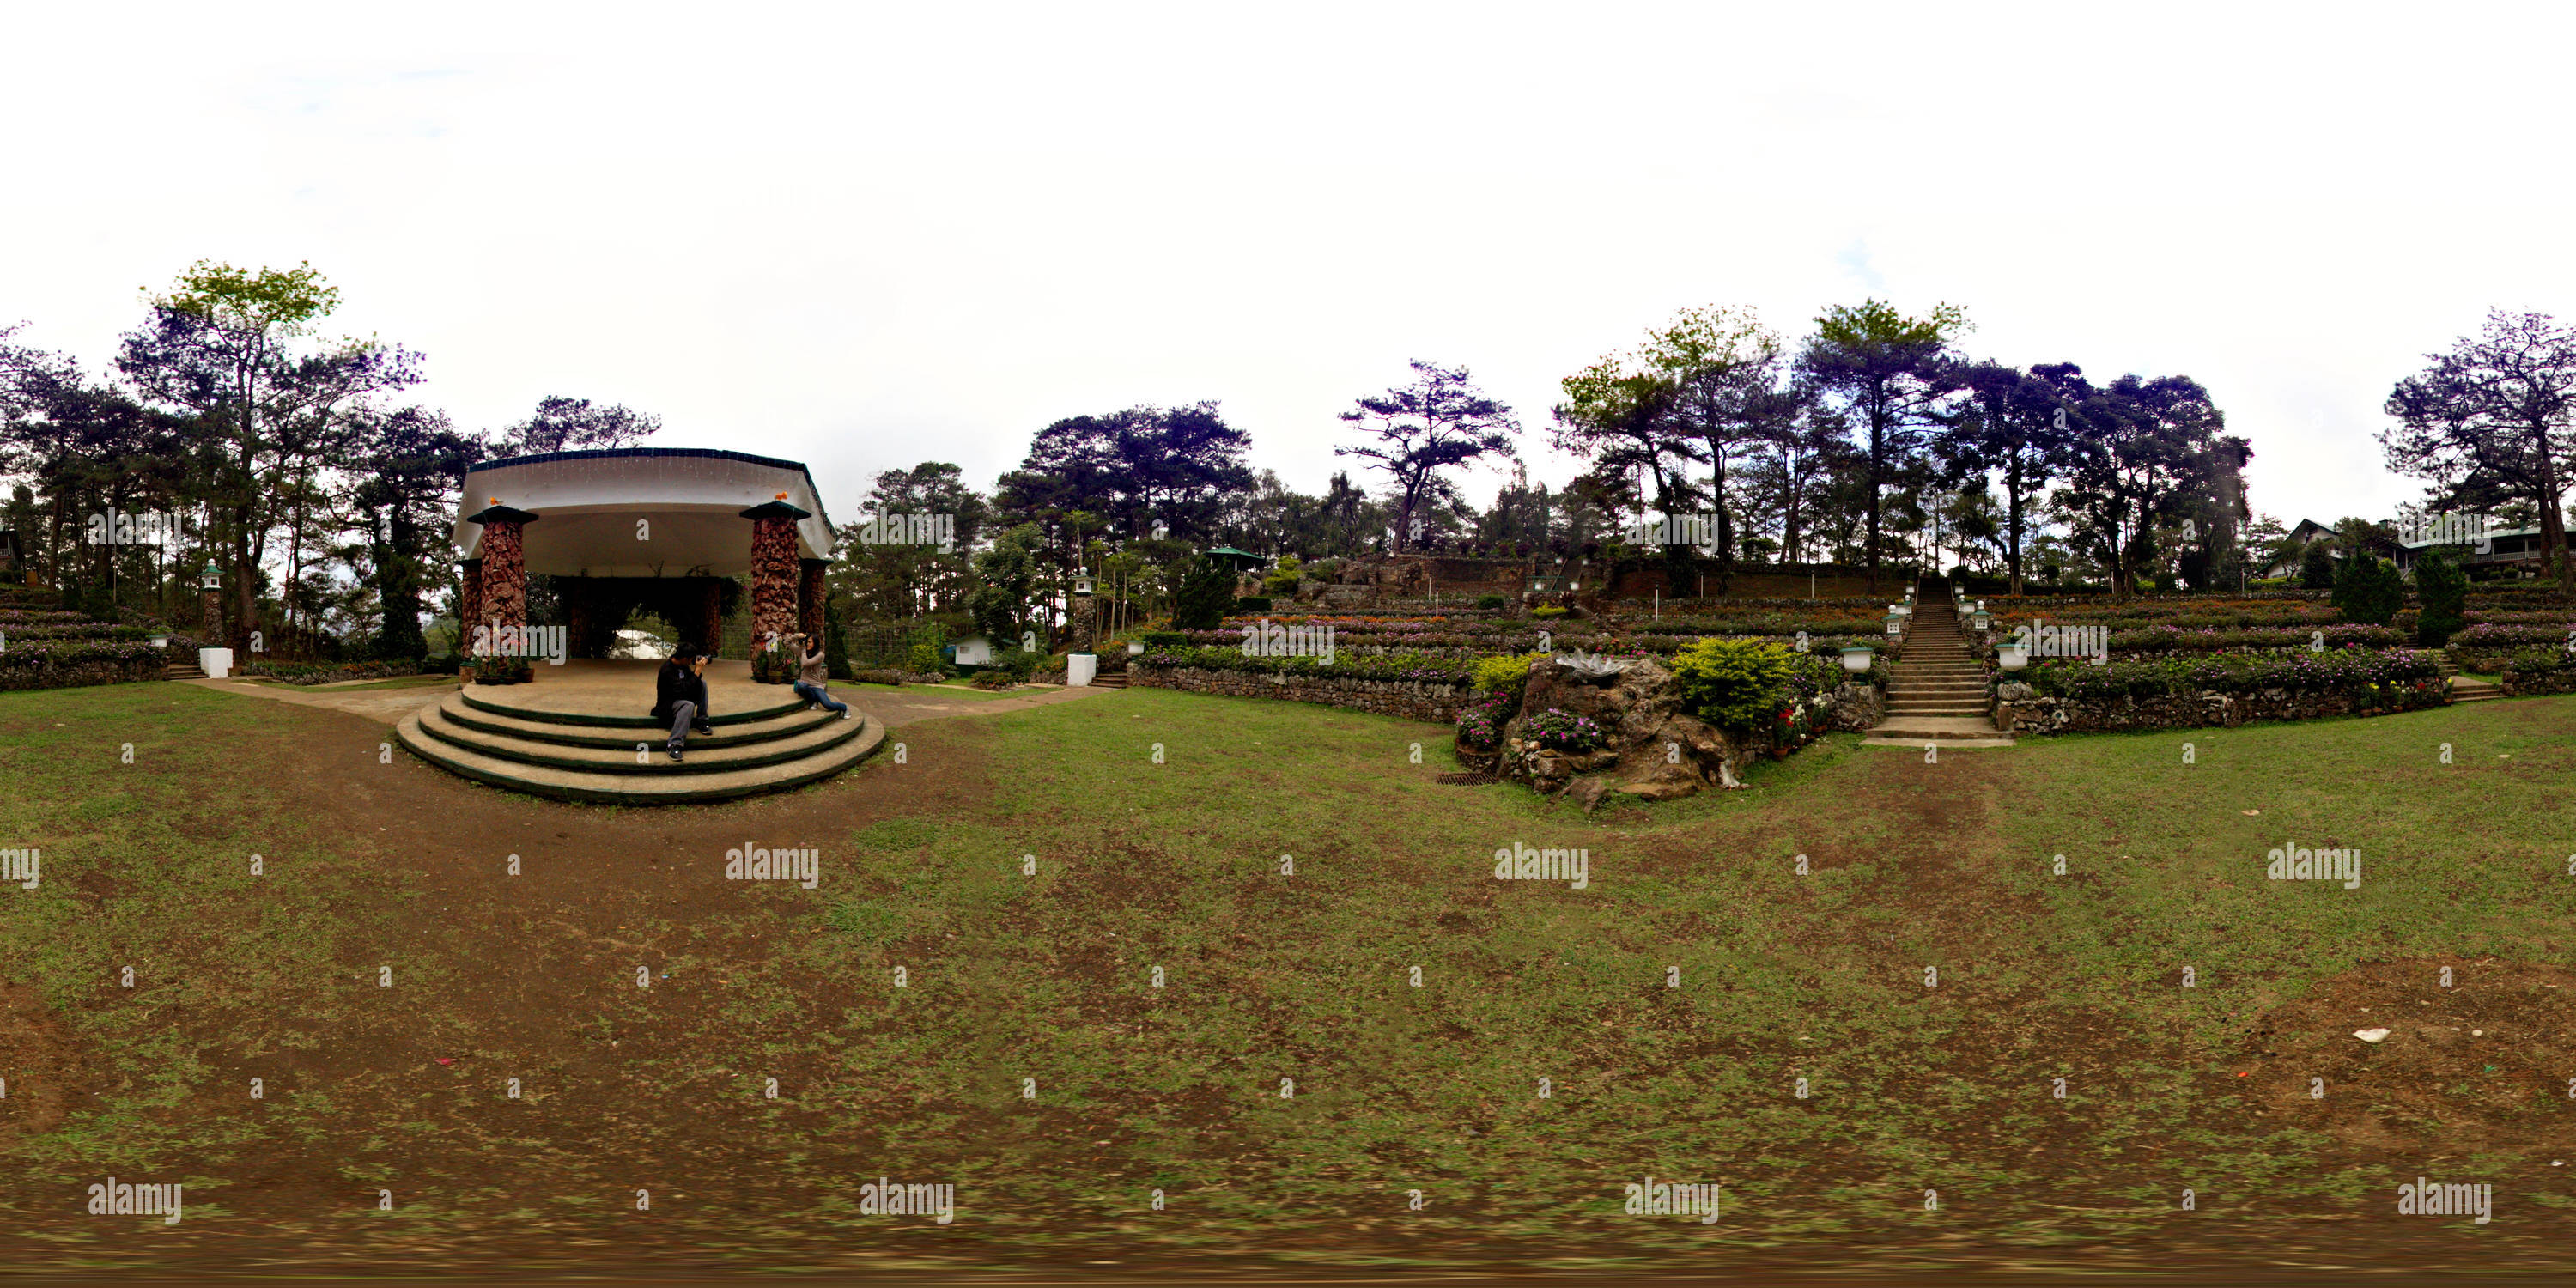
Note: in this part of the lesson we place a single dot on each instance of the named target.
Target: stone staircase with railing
(1937, 692)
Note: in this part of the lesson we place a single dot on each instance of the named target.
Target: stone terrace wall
(1437, 703)
(2518, 684)
(2024, 713)
(81, 674)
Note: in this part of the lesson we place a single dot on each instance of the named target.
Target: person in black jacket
(680, 690)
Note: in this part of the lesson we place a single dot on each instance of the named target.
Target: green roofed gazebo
(1238, 560)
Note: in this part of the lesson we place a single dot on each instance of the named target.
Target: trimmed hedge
(2341, 671)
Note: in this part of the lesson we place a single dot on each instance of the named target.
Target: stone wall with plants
(1416, 699)
(2535, 670)
(71, 663)
(2218, 690)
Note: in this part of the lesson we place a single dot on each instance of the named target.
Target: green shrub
(1547, 612)
(2444, 588)
(1252, 604)
(1504, 674)
(1489, 602)
(2317, 569)
(2368, 590)
(1165, 639)
(1283, 579)
(1205, 594)
(1733, 684)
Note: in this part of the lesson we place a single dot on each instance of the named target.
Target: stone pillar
(505, 571)
(469, 608)
(773, 586)
(809, 598)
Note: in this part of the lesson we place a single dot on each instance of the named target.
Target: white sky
(864, 237)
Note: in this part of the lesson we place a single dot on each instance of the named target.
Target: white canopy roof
(641, 511)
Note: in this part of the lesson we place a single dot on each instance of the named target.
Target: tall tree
(1415, 432)
(222, 350)
(2147, 451)
(1891, 373)
(2015, 426)
(1176, 466)
(411, 463)
(562, 424)
(2500, 408)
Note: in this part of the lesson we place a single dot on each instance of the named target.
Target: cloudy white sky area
(866, 236)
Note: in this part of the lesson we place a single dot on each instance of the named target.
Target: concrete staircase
(1938, 690)
(591, 755)
(182, 671)
(2463, 688)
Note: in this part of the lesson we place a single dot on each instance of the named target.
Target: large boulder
(1652, 750)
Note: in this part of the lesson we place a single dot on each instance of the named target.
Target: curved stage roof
(690, 502)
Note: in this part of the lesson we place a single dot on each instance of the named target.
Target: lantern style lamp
(210, 579)
(1856, 660)
(1082, 584)
(1983, 620)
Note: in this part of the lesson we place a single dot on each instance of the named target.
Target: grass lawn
(1289, 1084)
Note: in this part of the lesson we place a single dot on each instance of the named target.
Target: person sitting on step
(813, 674)
(681, 692)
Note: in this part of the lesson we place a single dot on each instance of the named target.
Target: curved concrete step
(457, 710)
(701, 758)
(631, 789)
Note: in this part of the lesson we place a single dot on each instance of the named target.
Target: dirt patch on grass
(38, 1060)
(2478, 1067)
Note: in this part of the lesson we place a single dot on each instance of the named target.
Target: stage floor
(593, 687)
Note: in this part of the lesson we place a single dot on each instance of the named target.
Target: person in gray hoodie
(812, 675)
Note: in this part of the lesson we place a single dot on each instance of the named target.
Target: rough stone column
(773, 585)
(469, 609)
(809, 598)
(505, 570)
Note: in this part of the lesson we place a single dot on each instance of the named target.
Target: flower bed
(69, 663)
(2223, 690)
(309, 673)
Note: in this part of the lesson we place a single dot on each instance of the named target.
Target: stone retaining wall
(2025, 713)
(2518, 684)
(1437, 703)
(81, 674)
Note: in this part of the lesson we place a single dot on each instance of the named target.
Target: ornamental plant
(2368, 590)
(2444, 588)
(1557, 731)
(1734, 684)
